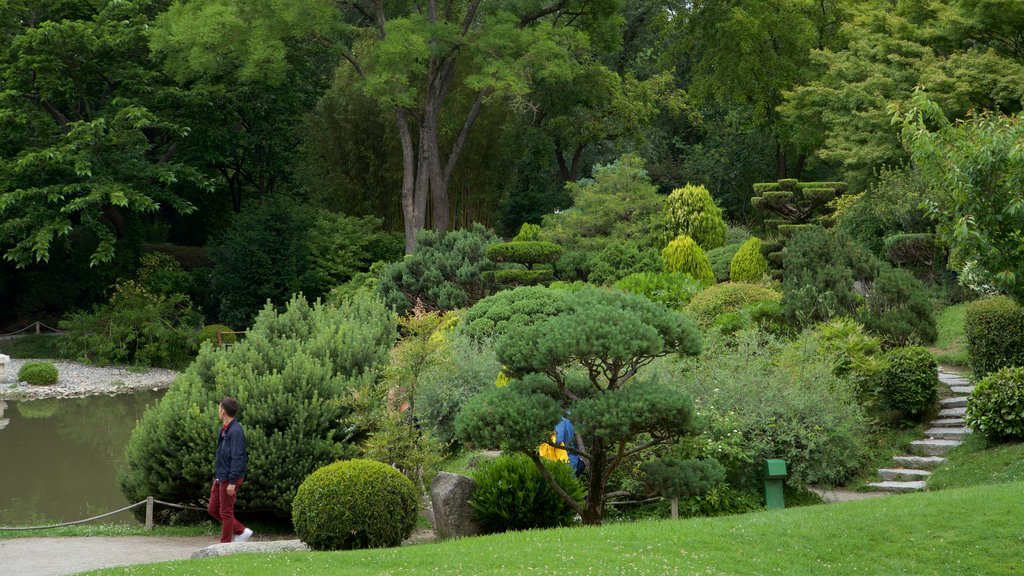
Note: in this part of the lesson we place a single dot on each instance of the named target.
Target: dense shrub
(135, 327)
(444, 272)
(673, 289)
(910, 382)
(38, 373)
(508, 309)
(737, 234)
(342, 247)
(354, 504)
(720, 259)
(528, 233)
(684, 255)
(619, 260)
(855, 355)
(210, 333)
(994, 328)
(898, 308)
(525, 253)
(294, 374)
(725, 298)
(690, 210)
(749, 264)
(891, 205)
(511, 494)
(996, 407)
(162, 275)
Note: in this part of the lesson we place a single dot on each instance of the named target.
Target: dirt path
(63, 556)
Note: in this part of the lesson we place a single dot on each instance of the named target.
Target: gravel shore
(77, 380)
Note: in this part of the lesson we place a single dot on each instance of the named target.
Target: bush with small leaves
(673, 289)
(354, 504)
(898, 308)
(512, 494)
(688, 478)
(690, 210)
(525, 253)
(727, 297)
(528, 233)
(910, 381)
(684, 255)
(210, 332)
(720, 259)
(994, 328)
(38, 374)
(996, 407)
(619, 260)
(749, 264)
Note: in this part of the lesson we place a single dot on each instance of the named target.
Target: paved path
(63, 556)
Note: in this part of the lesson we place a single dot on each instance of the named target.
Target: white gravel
(77, 380)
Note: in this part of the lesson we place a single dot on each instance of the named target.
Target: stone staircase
(910, 473)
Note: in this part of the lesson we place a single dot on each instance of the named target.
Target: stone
(933, 447)
(914, 486)
(962, 389)
(953, 412)
(265, 547)
(954, 402)
(947, 433)
(919, 462)
(948, 422)
(4, 361)
(453, 516)
(903, 474)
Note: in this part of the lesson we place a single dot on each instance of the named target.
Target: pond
(60, 457)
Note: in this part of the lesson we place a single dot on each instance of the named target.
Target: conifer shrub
(749, 264)
(511, 494)
(690, 210)
(725, 298)
(898, 308)
(684, 255)
(994, 328)
(619, 260)
(38, 373)
(673, 289)
(720, 259)
(528, 233)
(910, 381)
(294, 375)
(526, 253)
(210, 331)
(495, 315)
(354, 504)
(996, 407)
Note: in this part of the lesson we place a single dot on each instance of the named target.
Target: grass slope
(955, 532)
(977, 462)
(951, 344)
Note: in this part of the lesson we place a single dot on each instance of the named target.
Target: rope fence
(38, 326)
(149, 502)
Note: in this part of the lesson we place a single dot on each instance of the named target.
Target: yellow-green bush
(749, 264)
(38, 374)
(684, 255)
(690, 210)
(354, 504)
(727, 297)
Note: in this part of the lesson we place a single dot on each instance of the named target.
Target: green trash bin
(774, 476)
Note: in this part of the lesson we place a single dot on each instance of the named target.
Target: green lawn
(950, 347)
(205, 529)
(33, 346)
(975, 462)
(953, 532)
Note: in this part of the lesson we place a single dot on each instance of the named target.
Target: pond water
(60, 457)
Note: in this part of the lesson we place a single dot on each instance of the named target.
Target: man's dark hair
(230, 406)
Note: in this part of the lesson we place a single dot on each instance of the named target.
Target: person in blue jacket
(229, 473)
(565, 435)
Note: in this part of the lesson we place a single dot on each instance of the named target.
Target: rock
(453, 516)
(261, 547)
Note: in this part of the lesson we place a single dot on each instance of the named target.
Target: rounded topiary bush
(690, 210)
(727, 297)
(996, 407)
(354, 504)
(910, 382)
(684, 255)
(748, 264)
(994, 328)
(38, 374)
(210, 331)
(511, 494)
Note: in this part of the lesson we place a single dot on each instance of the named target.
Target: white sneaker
(243, 537)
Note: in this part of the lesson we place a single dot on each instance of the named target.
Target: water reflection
(60, 457)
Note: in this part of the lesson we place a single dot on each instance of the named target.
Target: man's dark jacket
(231, 455)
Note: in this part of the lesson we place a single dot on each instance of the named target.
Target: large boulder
(453, 516)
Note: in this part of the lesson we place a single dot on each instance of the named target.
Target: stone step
(902, 474)
(932, 447)
(953, 412)
(944, 433)
(893, 486)
(949, 422)
(954, 402)
(919, 462)
(953, 379)
(965, 390)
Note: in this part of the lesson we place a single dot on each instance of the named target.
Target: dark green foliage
(619, 260)
(217, 334)
(727, 297)
(573, 266)
(444, 272)
(512, 494)
(673, 289)
(292, 374)
(519, 277)
(796, 202)
(613, 334)
(910, 381)
(496, 315)
(38, 373)
(135, 327)
(527, 253)
(994, 328)
(915, 249)
(674, 478)
(342, 247)
(162, 275)
(898, 307)
(354, 504)
(996, 407)
(720, 259)
(890, 206)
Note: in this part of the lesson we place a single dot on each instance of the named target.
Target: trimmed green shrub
(725, 298)
(910, 381)
(511, 494)
(354, 504)
(898, 308)
(720, 259)
(749, 264)
(619, 260)
(294, 375)
(996, 407)
(793, 202)
(520, 277)
(690, 210)
(444, 272)
(690, 478)
(528, 233)
(495, 315)
(684, 255)
(994, 328)
(525, 253)
(38, 373)
(673, 289)
(210, 331)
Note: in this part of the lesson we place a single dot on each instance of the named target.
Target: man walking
(229, 473)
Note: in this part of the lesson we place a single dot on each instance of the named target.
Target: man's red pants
(222, 508)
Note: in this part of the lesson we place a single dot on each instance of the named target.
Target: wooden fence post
(675, 508)
(149, 513)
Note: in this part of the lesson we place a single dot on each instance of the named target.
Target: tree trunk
(780, 161)
(413, 206)
(594, 510)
